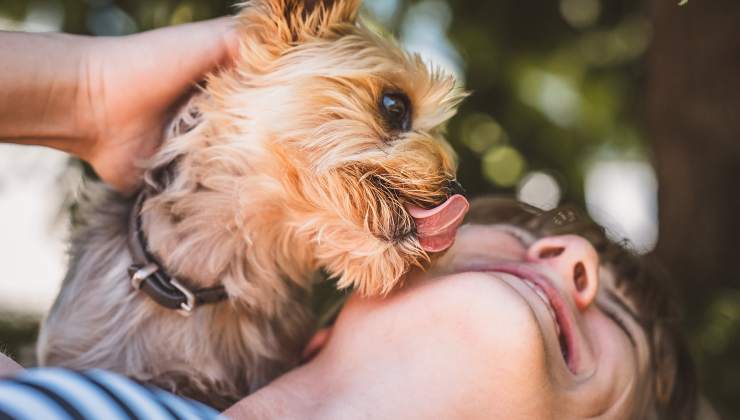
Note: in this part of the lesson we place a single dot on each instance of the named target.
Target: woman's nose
(575, 259)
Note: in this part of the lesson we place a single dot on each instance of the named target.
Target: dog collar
(149, 276)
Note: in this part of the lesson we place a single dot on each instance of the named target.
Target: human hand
(129, 86)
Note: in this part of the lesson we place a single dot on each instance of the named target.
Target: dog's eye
(396, 110)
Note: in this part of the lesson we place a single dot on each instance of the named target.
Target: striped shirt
(61, 394)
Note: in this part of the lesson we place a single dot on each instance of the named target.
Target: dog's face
(357, 124)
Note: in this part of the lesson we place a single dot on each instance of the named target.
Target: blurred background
(629, 108)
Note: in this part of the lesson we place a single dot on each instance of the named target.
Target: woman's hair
(642, 280)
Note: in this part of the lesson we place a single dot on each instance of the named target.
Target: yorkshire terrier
(321, 149)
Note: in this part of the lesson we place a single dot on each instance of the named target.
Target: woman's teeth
(544, 298)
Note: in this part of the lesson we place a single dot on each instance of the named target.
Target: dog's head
(357, 126)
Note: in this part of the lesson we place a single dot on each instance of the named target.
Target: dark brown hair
(642, 279)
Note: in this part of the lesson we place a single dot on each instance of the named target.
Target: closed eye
(620, 323)
(618, 319)
(523, 236)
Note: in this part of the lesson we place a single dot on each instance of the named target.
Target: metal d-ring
(142, 274)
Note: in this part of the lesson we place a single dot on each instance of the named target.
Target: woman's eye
(396, 111)
(526, 238)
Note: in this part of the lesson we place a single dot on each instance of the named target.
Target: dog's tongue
(436, 227)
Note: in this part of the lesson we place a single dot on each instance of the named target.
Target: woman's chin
(462, 327)
(495, 317)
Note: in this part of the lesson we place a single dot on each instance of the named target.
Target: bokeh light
(625, 42)
(480, 132)
(383, 10)
(622, 195)
(503, 165)
(553, 95)
(580, 13)
(539, 189)
(424, 31)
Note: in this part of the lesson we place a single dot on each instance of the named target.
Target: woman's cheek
(617, 365)
(610, 343)
(499, 346)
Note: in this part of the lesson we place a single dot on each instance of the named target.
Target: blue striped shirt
(61, 394)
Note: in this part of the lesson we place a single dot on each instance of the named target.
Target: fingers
(148, 72)
(215, 41)
(162, 64)
(230, 36)
(195, 47)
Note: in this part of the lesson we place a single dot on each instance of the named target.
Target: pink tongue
(437, 227)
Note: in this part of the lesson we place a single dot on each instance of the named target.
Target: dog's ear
(295, 21)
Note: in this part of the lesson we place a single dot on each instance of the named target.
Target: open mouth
(564, 349)
(555, 304)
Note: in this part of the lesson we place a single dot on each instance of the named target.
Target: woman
(505, 325)
(519, 320)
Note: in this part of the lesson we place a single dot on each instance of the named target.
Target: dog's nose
(454, 187)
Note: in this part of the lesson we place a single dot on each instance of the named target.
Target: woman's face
(579, 346)
(502, 326)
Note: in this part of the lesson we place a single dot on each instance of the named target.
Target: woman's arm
(105, 100)
(41, 81)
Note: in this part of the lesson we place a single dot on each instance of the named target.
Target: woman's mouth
(556, 305)
(564, 348)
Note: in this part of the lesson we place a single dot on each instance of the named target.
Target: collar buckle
(149, 276)
(186, 308)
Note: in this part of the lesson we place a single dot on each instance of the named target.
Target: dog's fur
(283, 165)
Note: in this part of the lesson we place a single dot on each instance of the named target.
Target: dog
(321, 150)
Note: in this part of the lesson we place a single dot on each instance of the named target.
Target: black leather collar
(149, 276)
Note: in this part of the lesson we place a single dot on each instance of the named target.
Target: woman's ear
(665, 367)
(295, 21)
(675, 376)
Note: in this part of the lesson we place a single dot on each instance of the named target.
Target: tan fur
(281, 167)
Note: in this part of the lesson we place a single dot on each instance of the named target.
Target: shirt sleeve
(61, 394)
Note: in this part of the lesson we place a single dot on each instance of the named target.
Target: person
(529, 315)
(523, 318)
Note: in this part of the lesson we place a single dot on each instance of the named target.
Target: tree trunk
(694, 122)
